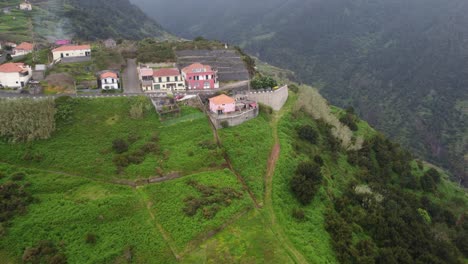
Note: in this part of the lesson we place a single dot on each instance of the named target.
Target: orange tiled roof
(12, 67)
(72, 47)
(166, 72)
(222, 99)
(109, 74)
(25, 46)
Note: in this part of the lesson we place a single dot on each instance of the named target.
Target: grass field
(69, 208)
(248, 147)
(85, 146)
(166, 197)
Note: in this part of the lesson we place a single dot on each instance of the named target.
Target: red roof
(72, 47)
(166, 72)
(222, 99)
(196, 67)
(25, 46)
(12, 67)
(109, 74)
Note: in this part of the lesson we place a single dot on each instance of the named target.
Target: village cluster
(161, 79)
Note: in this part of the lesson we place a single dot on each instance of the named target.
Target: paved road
(130, 78)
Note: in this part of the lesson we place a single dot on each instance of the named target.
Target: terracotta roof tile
(25, 46)
(12, 67)
(166, 72)
(222, 99)
(109, 74)
(72, 47)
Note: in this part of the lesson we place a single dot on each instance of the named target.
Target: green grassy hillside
(73, 196)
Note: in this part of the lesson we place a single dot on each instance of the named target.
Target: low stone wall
(275, 99)
(233, 119)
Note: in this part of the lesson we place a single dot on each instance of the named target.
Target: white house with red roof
(15, 75)
(70, 51)
(169, 80)
(198, 77)
(109, 80)
(22, 49)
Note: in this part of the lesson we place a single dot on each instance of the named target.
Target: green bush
(307, 133)
(119, 146)
(18, 176)
(45, 252)
(293, 88)
(306, 181)
(90, 238)
(298, 214)
(263, 82)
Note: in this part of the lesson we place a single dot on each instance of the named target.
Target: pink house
(222, 104)
(198, 76)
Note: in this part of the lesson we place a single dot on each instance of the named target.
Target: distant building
(168, 80)
(15, 75)
(26, 6)
(109, 80)
(145, 75)
(69, 51)
(61, 42)
(110, 43)
(222, 104)
(22, 49)
(198, 77)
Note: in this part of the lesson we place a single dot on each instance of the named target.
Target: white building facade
(69, 51)
(168, 80)
(15, 75)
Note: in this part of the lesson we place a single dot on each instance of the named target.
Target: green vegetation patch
(168, 204)
(87, 220)
(248, 147)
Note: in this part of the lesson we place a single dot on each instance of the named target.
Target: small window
(160, 79)
(176, 78)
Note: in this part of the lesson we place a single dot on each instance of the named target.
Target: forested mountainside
(93, 19)
(402, 64)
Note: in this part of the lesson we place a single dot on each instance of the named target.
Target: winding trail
(270, 215)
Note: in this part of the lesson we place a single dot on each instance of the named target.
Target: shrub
(307, 133)
(298, 214)
(18, 176)
(136, 111)
(64, 109)
(306, 181)
(45, 252)
(14, 200)
(293, 88)
(121, 161)
(90, 238)
(318, 160)
(150, 147)
(119, 146)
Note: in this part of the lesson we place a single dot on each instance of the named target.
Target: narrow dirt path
(166, 236)
(229, 163)
(268, 199)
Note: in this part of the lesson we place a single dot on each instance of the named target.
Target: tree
(306, 181)
(262, 82)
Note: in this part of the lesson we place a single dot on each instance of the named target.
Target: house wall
(109, 84)
(234, 120)
(227, 108)
(14, 79)
(167, 85)
(275, 99)
(193, 84)
(70, 53)
(18, 53)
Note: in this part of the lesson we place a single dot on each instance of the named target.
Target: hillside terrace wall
(233, 119)
(275, 99)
